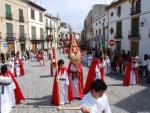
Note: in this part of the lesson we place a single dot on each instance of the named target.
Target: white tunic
(132, 75)
(7, 95)
(63, 85)
(99, 105)
(74, 83)
(107, 67)
(97, 72)
(11, 66)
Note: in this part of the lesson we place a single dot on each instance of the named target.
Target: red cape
(126, 81)
(91, 75)
(18, 94)
(55, 93)
(21, 67)
(80, 78)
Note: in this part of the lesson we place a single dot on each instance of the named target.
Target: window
(99, 32)
(21, 18)
(96, 32)
(21, 27)
(8, 12)
(118, 10)
(96, 24)
(135, 26)
(99, 22)
(32, 14)
(33, 28)
(119, 30)
(41, 33)
(9, 30)
(41, 17)
(46, 22)
(112, 14)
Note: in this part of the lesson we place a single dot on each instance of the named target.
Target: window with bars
(119, 11)
(32, 14)
(9, 29)
(33, 30)
(119, 30)
(40, 17)
(21, 18)
(8, 12)
(21, 28)
(41, 33)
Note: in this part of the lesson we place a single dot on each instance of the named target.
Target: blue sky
(71, 11)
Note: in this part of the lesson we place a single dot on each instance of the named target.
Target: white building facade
(36, 26)
(129, 26)
(127, 23)
(100, 29)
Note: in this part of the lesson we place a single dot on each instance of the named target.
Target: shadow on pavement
(45, 76)
(40, 102)
(115, 76)
(136, 103)
(115, 85)
(37, 66)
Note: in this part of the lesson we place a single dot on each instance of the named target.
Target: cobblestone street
(37, 89)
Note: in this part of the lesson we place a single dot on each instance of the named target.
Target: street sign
(5, 45)
(111, 42)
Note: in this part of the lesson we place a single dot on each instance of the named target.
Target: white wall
(144, 46)
(35, 22)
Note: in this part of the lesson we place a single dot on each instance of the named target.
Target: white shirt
(99, 105)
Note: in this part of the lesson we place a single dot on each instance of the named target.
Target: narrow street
(37, 89)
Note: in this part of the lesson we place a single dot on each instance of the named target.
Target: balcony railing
(21, 18)
(9, 16)
(10, 36)
(118, 36)
(22, 37)
(37, 38)
(136, 9)
(34, 37)
(133, 35)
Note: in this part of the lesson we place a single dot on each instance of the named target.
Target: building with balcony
(96, 10)
(13, 25)
(100, 29)
(52, 29)
(64, 34)
(129, 25)
(36, 26)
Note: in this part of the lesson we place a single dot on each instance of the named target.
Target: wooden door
(11, 47)
(134, 48)
(34, 47)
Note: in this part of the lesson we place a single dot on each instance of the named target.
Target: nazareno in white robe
(63, 85)
(7, 98)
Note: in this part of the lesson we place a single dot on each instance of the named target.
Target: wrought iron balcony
(34, 37)
(37, 38)
(22, 37)
(9, 16)
(21, 18)
(133, 35)
(136, 9)
(10, 36)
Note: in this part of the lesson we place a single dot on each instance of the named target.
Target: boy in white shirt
(96, 101)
